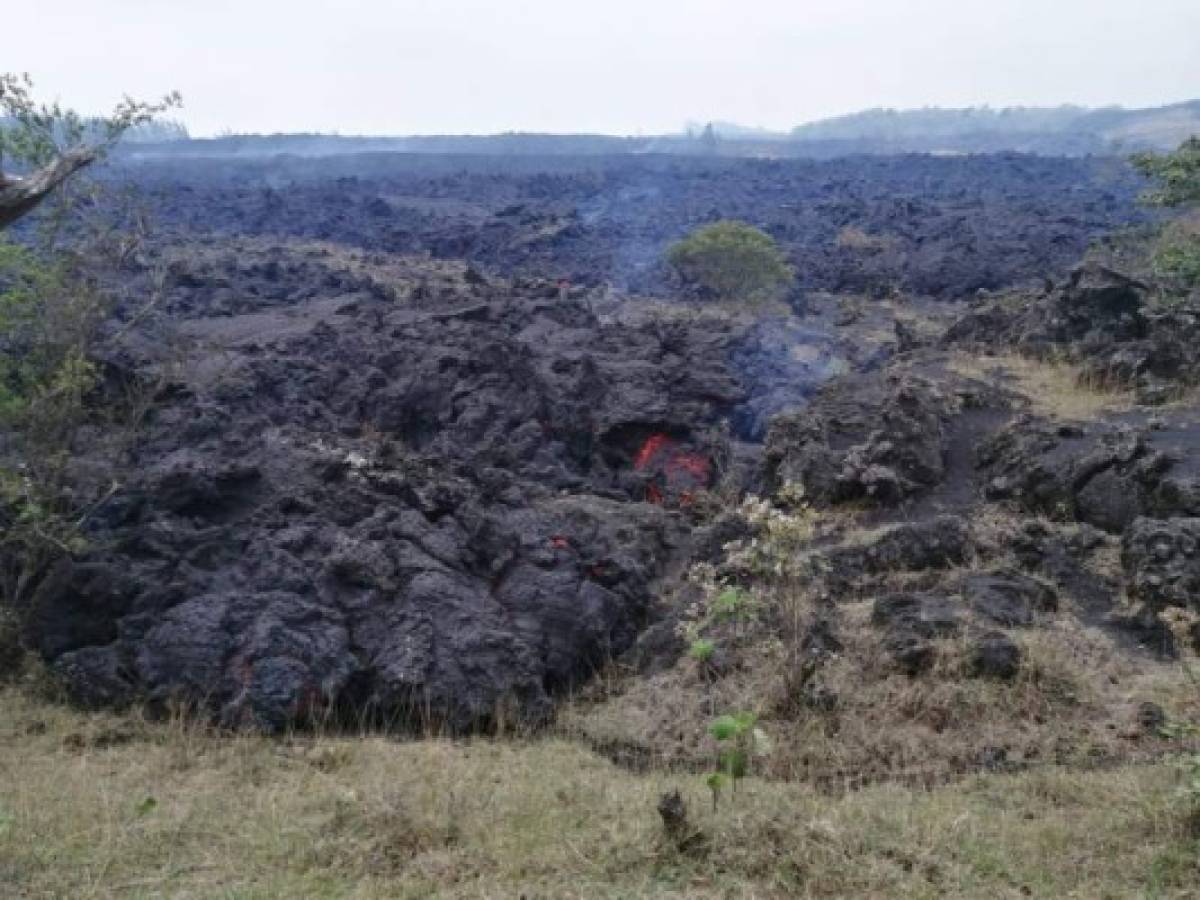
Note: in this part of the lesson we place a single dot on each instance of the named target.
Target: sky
(611, 66)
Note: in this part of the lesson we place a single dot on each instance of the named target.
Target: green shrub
(50, 319)
(1176, 183)
(732, 262)
(48, 322)
(1176, 253)
(1176, 175)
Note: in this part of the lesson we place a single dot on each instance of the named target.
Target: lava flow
(675, 473)
(654, 446)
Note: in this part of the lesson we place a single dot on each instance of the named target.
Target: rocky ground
(394, 467)
(978, 555)
(918, 225)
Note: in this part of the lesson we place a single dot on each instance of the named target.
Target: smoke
(782, 363)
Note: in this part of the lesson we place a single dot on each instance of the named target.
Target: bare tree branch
(19, 196)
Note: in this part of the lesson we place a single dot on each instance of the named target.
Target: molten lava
(655, 444)
(674, 472)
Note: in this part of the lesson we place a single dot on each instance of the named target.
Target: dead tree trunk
(19, 196)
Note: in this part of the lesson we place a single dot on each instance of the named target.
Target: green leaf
(147, 806)
(702, 650)
(723, 728)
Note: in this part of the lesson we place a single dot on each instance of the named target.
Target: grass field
(107, 805)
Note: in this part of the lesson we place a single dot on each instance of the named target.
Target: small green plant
(702, 650)
(739, 740)
(732, 262)
(731, 605)
(724, 605)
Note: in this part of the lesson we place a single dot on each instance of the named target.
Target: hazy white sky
(438, 66)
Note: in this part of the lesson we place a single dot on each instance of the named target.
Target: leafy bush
(1176, 178)
(1177, 252)
(50, 319)
(1176, 175)
(732, 262)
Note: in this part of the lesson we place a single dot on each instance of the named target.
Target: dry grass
(1053, 389)
(109, 806)
(713, 313)
(1074, 702)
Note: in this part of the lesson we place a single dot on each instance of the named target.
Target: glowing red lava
(654, 445)
(675, 472)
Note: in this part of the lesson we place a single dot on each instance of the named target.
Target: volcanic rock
(1095, 308)
(910, 652)
(1009, 598)
(1161, 559)
(1113, 326)
(449, 507)
(1101, 474)
(926, 225)
(910, 621)
(375, 485)
(936, 543)
(875, 436)
(995, 655)
(923, 615)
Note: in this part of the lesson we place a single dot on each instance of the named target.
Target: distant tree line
(935, 121)
(1064, 129)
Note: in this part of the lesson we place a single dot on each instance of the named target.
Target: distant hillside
(734, 130)
(1046, 131)
(1163, 127)
(1058, 129)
